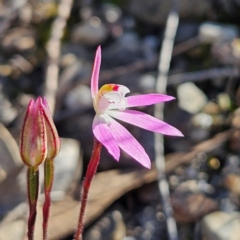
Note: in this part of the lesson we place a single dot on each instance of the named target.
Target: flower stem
(91, 170)
(33, 186)
(48, 181)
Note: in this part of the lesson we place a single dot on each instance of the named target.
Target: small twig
(163, 68)
(202, 75)
(53, 50)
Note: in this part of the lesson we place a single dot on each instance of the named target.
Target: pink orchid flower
(110, 103)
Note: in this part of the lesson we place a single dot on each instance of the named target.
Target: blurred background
(47, 49)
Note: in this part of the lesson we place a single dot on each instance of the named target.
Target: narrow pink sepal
(128, 143)
(103, 134)
(145, 121)
(53, 140)
(147, 99)
(95, 73)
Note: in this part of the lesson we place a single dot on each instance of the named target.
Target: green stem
(48, 181)
(91, 170)
(32, 187)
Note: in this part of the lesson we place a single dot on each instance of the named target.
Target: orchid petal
(128, 143)
(145, 121)
(95, 73)
(147, 99)
(103, 134)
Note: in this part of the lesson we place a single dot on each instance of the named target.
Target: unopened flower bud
(33, 138)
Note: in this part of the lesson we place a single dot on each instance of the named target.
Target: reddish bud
(39, 138)
(33, 141)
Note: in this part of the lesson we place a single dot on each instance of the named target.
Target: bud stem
(91, 170)
(48, 181)
(33, 186)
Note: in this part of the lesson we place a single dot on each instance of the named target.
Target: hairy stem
(91, 170)
(48, 181)
(32, 187)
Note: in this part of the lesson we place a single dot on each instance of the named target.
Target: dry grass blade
(53, 50)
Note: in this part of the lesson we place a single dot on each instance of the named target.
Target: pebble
(236, 118)
(232, 183)
(195, 206)
(65, 166)
(7, 112)
(78, 98)
(92, 32)
(9, 151)
(191, 98)
(156, 12)
(147, 82)
(221, 226)
(211, 32)
(14, 189)
(112, 13)
(149, 48)
(13, 230)
(19, 39)
(110, 226)
(128, 44)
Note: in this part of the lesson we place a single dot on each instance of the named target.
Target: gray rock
(211, 32)
(13, 230)
(9, 152)
(128, 44)
(14, 189)
(111, 226)
(149, 48)
(91, 32)
(19, 39)
(112, 12)
(186, 30)
(156, 11)
(191, 98)
(7, 112)
(221, 226)
(202, 120)
(79, 98)
(147, 82)
(66, 165)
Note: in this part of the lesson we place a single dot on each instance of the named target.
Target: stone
(14, 189)
(66, 164)
(112, 13)
(235, 121)
(221, 226)
(232, 183)
(13, 230)
(191, 98)
(19, 39)
(78, 98)
(110, 226)
(149, 49)
(9, 151)
(92, 32)
(211, 31)
(156, 11)
(7, 112)
(128, 44)
(147, 82)
(195, 206)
